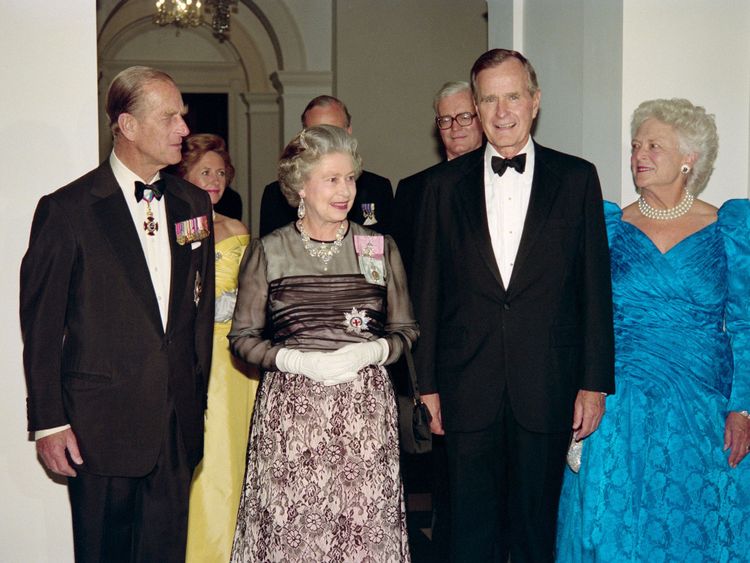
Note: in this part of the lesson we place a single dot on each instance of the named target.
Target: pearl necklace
(324, 251)
(666, 214)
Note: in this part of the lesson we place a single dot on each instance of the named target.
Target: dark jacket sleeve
(46, 272)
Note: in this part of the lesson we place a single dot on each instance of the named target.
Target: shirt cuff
(49, 431)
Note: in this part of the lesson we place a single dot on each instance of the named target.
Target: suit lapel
(473, 206)
(543, 189)
(114, 219)
(177, 210)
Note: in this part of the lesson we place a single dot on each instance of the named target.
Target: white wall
(48, 136)
(699, 50)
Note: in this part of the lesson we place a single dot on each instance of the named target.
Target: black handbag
(413, 415)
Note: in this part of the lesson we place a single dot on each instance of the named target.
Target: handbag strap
(412, 376)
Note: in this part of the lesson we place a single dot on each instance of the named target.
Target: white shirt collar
(125, 177)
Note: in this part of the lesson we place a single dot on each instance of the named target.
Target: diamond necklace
(667, 214)
(325, 251)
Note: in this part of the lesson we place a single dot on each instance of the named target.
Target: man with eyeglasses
(456, 118)
(461, 132)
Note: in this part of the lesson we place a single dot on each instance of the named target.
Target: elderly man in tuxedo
(511, 287)
(460, 132)
(373, 202)
(117, 318)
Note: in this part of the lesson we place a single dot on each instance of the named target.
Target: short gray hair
(305, 152)
(496, 57)
(695, 129)
(448, 89)
(125, 93)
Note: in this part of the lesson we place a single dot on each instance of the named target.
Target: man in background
(460, 132)
(374, 200)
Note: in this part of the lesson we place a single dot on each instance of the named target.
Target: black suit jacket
(406, 207)
(95, 352)
(545, 336)
(276, 212)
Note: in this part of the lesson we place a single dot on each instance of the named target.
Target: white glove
(356, 356)
(317, 366)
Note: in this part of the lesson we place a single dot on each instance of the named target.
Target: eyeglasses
(463, 119)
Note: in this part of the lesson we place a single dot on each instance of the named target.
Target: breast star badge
(356, 321)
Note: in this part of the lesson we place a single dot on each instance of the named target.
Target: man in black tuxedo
(117, 304)
(373, 202)
(511, 288)
(460, 132)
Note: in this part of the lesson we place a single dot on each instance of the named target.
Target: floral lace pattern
(323, 481)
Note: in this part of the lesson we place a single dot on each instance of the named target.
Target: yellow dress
(217, 482)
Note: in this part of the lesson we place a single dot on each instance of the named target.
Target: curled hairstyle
(325, 101)
(695, 129)
(125, 93)
(195, 146)
(495, 57)
(305, 152)
(448, 89)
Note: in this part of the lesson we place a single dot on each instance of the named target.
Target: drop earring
(301, 209)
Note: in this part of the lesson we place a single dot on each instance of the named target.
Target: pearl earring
(301, 209)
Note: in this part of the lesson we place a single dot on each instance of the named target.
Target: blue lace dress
(654, 483)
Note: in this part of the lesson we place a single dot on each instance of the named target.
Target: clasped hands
(334, 368)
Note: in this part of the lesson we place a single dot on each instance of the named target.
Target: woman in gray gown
(322, 306)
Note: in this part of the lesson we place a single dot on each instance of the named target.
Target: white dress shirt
(507, 199)
(155, 248)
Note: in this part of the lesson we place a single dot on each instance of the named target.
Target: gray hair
(695, 129)
(496, 57)
(305, 152)
(125, 93)
(448, 89)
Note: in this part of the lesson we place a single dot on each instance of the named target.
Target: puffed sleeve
(401, 327)
(734, 222)
(246, 338)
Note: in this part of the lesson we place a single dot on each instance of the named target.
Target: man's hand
(737, 437)
(433, 405)
(52, 450)
(587, 413)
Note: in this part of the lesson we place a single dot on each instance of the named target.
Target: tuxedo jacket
(406, 206)
(372, 189)
(96, 354)
(535, 342)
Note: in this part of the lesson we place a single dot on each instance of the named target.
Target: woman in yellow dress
(217, 482)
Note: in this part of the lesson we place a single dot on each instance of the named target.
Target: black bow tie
(500, 165)
(157, 189)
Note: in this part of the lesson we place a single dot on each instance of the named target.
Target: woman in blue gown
(663, 479)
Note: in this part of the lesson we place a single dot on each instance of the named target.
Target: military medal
(356, 321)
(150, 225)
(198, 289)
(369, 251)
(191, 230)
(147, 193)
(368, 213)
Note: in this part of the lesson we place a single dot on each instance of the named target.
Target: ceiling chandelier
(189, 13)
